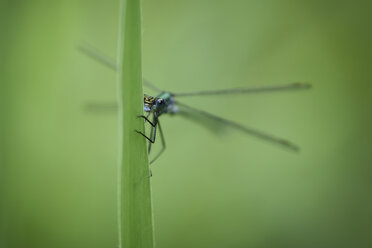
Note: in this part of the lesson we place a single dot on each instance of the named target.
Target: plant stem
(134, 192)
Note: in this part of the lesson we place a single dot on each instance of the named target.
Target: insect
(167, 103)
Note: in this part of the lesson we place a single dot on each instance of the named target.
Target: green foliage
(58, 161)
(135, 213)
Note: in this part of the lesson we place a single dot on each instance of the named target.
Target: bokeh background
(59, 161)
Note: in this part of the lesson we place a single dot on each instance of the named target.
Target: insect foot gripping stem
(144, 135)
(146, 119)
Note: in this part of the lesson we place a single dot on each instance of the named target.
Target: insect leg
(147, 119)
(150, 144)
(152, 139)
(162, 142)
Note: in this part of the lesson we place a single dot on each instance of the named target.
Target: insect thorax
(148, 102)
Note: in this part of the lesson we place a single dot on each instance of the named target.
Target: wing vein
(250, 131)
(98, 56)
(247, 90)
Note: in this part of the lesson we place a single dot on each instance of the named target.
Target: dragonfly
(166, 102)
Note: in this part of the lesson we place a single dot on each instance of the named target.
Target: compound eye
(160, 101)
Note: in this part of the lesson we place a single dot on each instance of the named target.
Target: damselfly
(167, 103)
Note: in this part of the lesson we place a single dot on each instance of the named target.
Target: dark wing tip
(290, 145)
(302, 85)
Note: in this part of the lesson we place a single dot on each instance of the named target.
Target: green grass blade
(135, 209)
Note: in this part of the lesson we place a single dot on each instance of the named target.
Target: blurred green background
(59, 162)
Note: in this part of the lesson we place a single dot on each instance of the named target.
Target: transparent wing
(98, 56)
(247, 90)
(264, 136)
